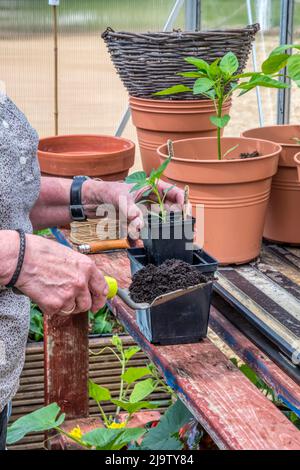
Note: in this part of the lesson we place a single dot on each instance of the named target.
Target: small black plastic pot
(201, 260)
(179, 317)
(168, 239)
(179, 320)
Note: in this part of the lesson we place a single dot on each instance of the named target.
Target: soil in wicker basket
(153, 281)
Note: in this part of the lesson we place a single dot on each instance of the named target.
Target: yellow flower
(76, 433)
(116, 425)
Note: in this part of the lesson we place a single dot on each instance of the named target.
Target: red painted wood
(231, 409)
(66, 363)
(277, 379)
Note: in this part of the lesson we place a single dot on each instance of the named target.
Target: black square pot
(182, 318)
(169, 239)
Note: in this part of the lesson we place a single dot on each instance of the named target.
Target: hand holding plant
(219, 80)
(152, 187)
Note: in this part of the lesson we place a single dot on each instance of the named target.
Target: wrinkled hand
(58, 278)
(118, 194)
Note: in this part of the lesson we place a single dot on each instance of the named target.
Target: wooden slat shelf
(224, 401)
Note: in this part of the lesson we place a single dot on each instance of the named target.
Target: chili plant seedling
(140, 180)
(219, 80)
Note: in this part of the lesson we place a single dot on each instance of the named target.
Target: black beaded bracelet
(16, 274)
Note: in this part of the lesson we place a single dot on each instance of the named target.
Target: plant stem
(123, 362)
(220, 104)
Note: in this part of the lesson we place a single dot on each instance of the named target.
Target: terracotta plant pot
(101, 156)
(297, 160)
(157, 121)
(282, 221)
(234, 192)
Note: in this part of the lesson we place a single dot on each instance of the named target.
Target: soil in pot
(282, 218)
(181, 317)
(153, 281)
(232, 194)
(97, 156)
(156, 121)
(172, 238)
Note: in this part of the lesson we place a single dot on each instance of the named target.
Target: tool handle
(105, 245)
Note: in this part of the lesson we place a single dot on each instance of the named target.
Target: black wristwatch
(76, 207)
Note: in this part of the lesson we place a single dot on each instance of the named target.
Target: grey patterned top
(19, 190)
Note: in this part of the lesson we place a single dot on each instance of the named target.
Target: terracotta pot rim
(216, 161)
(279, 126)
(131, 145)
(173, 102)
(297, 158)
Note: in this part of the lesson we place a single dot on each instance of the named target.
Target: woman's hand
(95, 193)
(59, 279)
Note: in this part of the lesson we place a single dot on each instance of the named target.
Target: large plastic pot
(282, 221)
(235, 192)
(157, 121)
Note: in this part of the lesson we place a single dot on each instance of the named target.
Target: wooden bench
(231, 409)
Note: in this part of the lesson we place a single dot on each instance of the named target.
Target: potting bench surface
(232, 410)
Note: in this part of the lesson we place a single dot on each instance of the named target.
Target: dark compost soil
(152, 281)
(250, 155)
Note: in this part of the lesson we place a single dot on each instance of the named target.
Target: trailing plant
(140, 180)
(136, 384)
(220, 79)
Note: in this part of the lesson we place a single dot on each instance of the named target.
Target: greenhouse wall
(91, 96)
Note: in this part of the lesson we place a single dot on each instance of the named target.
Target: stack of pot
(150, 62)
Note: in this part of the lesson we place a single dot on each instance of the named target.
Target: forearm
(9, 250)
(53, 205)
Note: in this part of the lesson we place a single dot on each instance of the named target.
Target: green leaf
(112, 439)
(134, 407)
(202, 85)
(220, 121)
(117, 343)
(156, 174)
(142, 390)
(274, 63)
(293, 67)
(191, 74)
(41, 420)
(131, 351)
(98, 393)
(263, 81)
(101, 326)
(164, 435)
(214, 70)
(244, 75)
(283, 48)
(230, 150)
(199, 63)
(173, 90)
(133, 374)
(137, 177)
(229, 64)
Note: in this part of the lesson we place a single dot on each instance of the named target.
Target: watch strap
(76, 207)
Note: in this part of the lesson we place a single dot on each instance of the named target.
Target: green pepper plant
(140, 180)
(220, 79)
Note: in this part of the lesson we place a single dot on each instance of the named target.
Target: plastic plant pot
(201, 260)
(181, 316)
(168, 239)
(177, 318)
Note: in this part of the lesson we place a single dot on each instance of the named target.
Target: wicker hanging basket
(149, 62)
